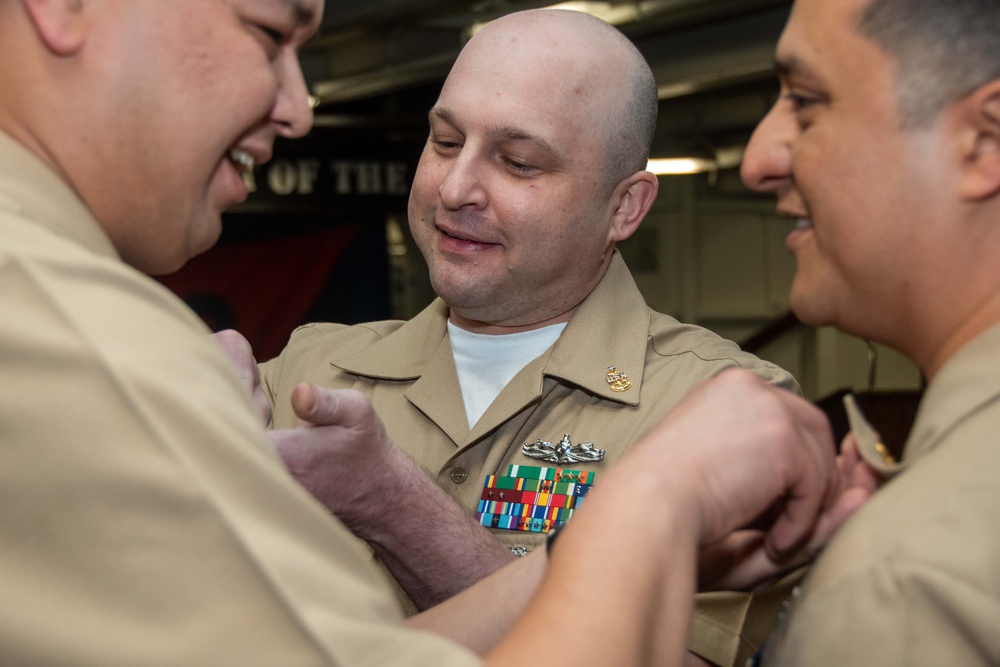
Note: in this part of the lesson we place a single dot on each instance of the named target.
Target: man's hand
(238, 349)
(735, 453)
(761, 444)
(740, 562)
(343, 456)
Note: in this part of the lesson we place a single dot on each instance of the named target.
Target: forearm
(618, 590)
(434, 553)
(482, 614)
(343, 456)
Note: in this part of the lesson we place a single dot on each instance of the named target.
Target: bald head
(584, 64)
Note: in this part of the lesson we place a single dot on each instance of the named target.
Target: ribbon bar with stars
(532, 498)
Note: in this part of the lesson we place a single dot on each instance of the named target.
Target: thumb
(304, 403)
(331, 407)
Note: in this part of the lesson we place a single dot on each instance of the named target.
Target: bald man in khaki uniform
(528, 179)
(408, 371)
(885, 145)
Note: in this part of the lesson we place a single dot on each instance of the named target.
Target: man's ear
(59, 23)
(981, 153)
(635, 195)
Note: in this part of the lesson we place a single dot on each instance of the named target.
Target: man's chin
(808, 309)
(158, 263)
(164, 260)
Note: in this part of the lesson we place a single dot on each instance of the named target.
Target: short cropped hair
(943, 50)
(631, 129)
(632, 135)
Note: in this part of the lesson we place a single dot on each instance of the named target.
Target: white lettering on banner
(369, 178)
(301, 177)
(395, 179)
(287, 176)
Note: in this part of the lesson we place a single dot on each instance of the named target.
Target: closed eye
(800, 102)
(520, 167)
(272, 38)
(445, 146)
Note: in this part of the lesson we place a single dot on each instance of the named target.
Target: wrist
(385, 489)
(667, 499)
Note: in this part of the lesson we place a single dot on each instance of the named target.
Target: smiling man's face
(191, 88)
(866, 192)
(509, 204)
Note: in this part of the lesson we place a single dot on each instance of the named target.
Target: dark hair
(943, 50)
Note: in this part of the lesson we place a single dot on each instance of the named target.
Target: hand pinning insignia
(619, 381)
(563, 452)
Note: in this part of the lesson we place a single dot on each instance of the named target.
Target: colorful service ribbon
(532, 498)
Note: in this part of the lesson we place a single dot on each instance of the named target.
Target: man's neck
(500, 329)
(967, 330)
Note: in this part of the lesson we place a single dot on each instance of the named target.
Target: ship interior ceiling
(378, 65)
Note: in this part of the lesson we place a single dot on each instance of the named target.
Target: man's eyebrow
(498, 132)
(787, 66)
(507, 133)
(442, 114)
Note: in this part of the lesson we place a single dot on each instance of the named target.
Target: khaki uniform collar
(966, 383)
(870, 445)
(407, 352)
(29, 189)
(608, 329)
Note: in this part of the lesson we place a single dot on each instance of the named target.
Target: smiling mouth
(242, 160)
(803, 223)
(464, 239)
(460, 238)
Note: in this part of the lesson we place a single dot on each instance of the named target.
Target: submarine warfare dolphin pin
(562, 452)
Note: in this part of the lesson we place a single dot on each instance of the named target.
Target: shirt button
(459, 475)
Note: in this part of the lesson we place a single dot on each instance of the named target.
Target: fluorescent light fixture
(680, 165)
(615, 13)
(728, 157)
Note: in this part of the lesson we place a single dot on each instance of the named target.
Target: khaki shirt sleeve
(146, 516)
(909, 614)
(728, 628)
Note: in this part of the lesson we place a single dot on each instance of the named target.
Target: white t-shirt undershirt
(486, 363)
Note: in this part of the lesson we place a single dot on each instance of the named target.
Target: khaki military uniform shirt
(144, 518)
(914, 577)
(408, 371)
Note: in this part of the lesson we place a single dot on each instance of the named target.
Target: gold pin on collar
(886, 454)
(870, 445)
(619, 381)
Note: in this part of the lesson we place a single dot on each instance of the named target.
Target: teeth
(803, 223)
(243, 160)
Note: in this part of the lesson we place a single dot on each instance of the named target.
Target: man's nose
(767, 163)
(463, 183)
(292, 111)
